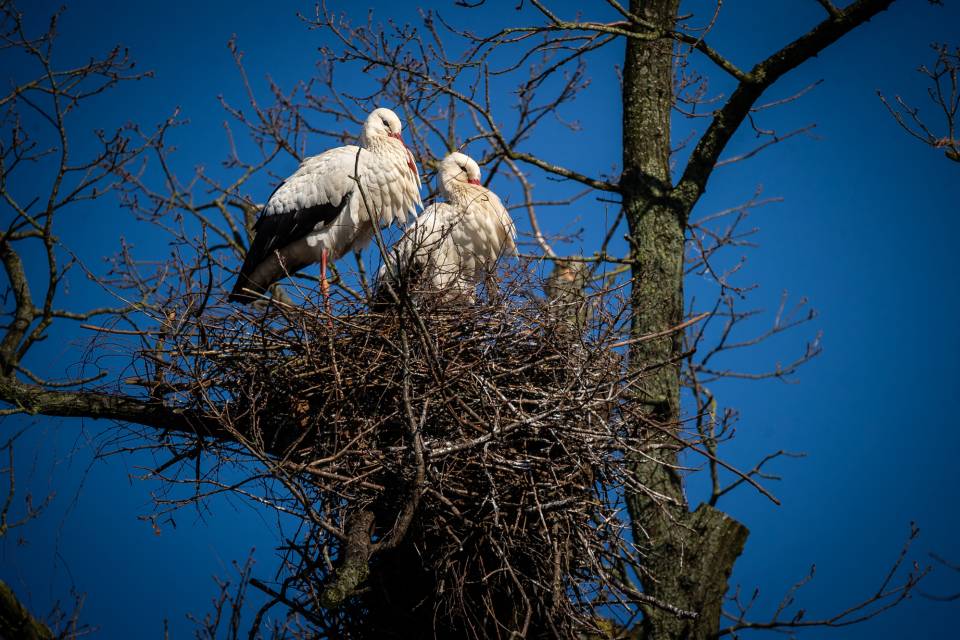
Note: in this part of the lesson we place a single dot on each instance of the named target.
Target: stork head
(382, 122)
(458, 167)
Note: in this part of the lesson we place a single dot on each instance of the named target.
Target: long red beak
(474, 181)
(410, 163)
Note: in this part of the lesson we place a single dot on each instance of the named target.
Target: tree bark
(16, 621)
(690, 555)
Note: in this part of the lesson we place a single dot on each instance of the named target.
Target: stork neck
(384, 145)
(461, 192)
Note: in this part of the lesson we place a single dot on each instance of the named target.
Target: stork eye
(385, 123)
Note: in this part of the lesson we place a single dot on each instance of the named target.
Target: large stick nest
(463, 464)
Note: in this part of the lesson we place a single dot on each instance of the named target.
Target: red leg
(324, 285)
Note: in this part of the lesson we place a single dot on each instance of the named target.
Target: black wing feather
(272, 233)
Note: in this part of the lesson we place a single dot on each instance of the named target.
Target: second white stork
(454, 243)
(319, 214)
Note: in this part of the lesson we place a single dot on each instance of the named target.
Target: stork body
(454, 243)
(319, 214)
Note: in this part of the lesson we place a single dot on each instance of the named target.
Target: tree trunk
(16, 621)
(690, 554)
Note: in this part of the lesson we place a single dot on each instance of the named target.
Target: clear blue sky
(866, 230)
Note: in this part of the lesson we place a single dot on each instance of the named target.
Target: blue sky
(865, 230)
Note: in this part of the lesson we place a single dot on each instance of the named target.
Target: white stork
(318, 214)
(453, 243)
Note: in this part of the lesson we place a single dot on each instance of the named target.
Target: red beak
(410, 163)
(474, 181)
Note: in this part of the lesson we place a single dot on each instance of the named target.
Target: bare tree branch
(728, 118)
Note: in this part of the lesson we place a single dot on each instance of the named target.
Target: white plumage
(453, 243)
(318, 214)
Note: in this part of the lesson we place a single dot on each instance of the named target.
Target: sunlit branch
(729, 117)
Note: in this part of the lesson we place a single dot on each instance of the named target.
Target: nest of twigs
(462, 464)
